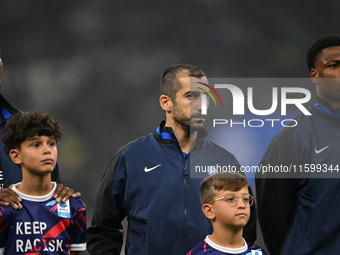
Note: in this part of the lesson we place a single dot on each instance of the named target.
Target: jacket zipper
(186, 181)
(184, 162)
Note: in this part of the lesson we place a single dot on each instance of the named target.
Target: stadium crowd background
(95, 65)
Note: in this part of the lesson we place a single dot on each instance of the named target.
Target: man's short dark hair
(21, 126)
(170, 84)
(316, 49)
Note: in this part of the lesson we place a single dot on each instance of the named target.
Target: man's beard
(187, 125)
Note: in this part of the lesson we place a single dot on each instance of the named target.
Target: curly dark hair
(315, 50)
(170, 84)
(21, 126)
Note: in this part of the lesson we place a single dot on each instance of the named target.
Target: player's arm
(276, 209)
(9, 198)
(105, 235)
(276, 195)
(62, 193)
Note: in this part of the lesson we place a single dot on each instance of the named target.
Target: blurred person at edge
(10, 173)
(149, 180)
(300, 214)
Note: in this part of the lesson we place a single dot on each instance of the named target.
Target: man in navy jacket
(149, 179)
(300, 214)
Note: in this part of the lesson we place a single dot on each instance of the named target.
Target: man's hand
(62, 193)
(9, 197)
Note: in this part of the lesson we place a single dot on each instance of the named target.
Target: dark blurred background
(95, 65)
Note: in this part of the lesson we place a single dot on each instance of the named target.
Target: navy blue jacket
(10, 171)
(148, 180)
(302, 215)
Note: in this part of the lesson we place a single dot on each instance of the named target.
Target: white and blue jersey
(42, 226)
(208, 247)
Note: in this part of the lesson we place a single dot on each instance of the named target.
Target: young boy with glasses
(226, 203)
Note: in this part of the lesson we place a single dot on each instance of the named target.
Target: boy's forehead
(244, 189)
(37, 137)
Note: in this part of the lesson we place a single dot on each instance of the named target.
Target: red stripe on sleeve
(57, 229)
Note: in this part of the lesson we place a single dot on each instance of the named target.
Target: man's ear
(165, 102)
(15, 156)
(314, 75)
(208, 211)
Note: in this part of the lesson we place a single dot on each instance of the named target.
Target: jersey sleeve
(78, 238)
(4, 230)
(255, 249)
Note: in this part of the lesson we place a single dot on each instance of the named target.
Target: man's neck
(333, 105)
(185, 139)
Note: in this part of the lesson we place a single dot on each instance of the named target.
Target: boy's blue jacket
(149, 181)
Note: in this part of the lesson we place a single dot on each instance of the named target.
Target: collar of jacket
(8, 108)
(327, 108)
(166, 135)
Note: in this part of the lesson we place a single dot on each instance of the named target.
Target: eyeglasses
(232, 199)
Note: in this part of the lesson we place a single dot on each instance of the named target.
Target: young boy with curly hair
(42, 226)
